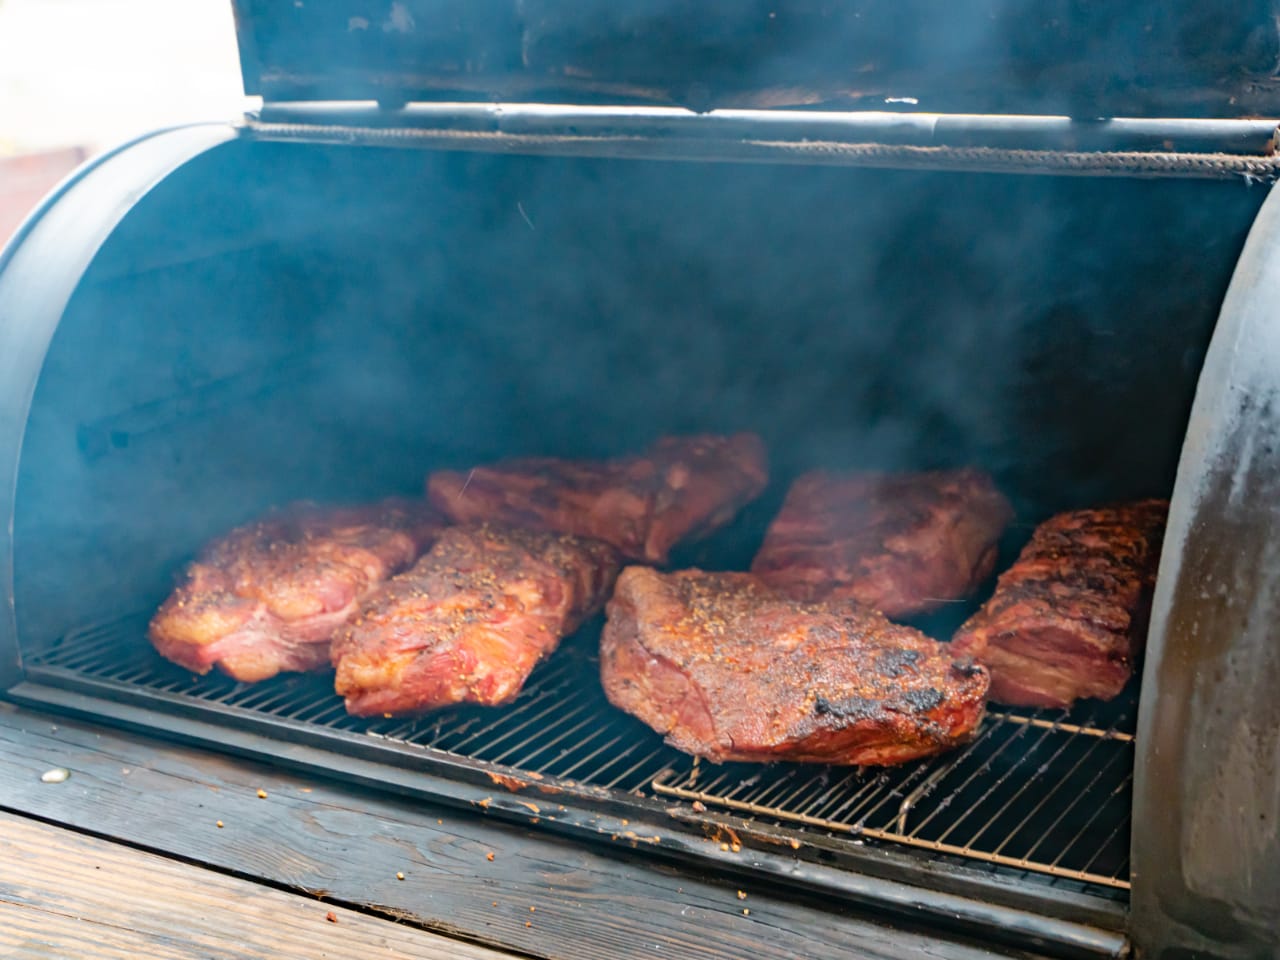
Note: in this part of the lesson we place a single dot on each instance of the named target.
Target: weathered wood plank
(65, 894)
(346, 846)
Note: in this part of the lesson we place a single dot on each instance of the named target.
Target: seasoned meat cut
(470, 621)
(1068, 618)
(268, 596)
(681, 488)
(728, 669)
(902, 544)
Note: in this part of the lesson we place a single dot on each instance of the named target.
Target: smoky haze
(280, 322)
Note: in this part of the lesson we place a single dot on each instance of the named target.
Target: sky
(92, 73)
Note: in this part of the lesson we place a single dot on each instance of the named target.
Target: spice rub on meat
(680, 488)
(269, 596)
(470, 621)
(902, 543)
(728, 669)
(1068, 619)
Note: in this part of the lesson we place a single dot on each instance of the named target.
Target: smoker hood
(1067, 57)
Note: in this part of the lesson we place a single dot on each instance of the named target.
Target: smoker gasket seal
(1127, 163)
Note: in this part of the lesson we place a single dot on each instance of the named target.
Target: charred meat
(728, 669)
(269, 596)
(1068, 618)
(902, 544)
(681, 488)
(470, 621)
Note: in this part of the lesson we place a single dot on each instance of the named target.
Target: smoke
(280, 322)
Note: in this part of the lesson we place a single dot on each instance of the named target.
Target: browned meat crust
(269, 596)
(1068, 618)
(682, 487)
(728, 669)
(471, 620)
(902, 544)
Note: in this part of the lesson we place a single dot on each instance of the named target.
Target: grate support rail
(1046, 793)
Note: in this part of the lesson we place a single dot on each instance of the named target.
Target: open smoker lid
(1172, 58)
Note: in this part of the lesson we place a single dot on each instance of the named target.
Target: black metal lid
(1077, 57)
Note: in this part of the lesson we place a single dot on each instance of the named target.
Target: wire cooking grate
(1046, 792)
(1035, 792)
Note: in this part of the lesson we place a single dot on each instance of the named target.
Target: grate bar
(1000, 781)
(607, 745)
(1115, 832)
(974, 775)
(1043, 793)
(539, 722)
(989, 776)
(654, 754)
(1097, 810)
(1088, 791)
(536, 748)
(663, 789)
(1021, 791)
(931, 781)
(1109, 734)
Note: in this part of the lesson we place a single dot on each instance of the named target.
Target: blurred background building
(79, 76)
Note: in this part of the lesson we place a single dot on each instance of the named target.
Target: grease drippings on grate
(1047, 792)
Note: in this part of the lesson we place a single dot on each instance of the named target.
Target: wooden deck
(126, 858)
(64, 894)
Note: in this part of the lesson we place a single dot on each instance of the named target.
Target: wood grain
(65, 894)
(346, 845)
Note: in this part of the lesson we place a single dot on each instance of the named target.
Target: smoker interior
(284, 321)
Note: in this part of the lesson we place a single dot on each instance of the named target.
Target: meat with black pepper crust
(728, 669)
(269, 596)
(470, 621)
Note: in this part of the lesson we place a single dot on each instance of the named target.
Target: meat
(903, 544)
(682, 487)
(1068, 618)
(728, 669)
(470, 621)
(268, 596)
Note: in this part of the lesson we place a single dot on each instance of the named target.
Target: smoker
(456, 232)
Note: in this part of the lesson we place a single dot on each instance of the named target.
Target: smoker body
(332, 299)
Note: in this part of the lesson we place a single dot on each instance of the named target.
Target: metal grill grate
(560, 727)
(1037, 792)
(1046, 792)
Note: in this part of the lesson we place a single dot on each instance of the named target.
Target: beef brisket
(682, 487)
(470, 621)
(902, 544)
(728, 669)
(269, 596)
(1068, 618)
